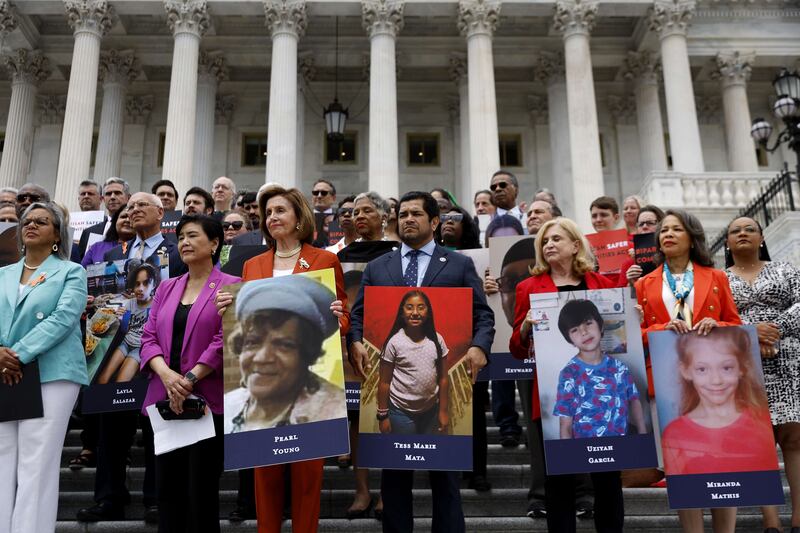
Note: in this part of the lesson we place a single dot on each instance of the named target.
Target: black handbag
(193, 408)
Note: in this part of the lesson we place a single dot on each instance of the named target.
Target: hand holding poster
(717, 437)
(416, 404)
(611, 248)
(284, 394)
(590, 369)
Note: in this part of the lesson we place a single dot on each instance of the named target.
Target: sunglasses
(237, 225)
(28, 196)
(345, 211)
(454, 217)
(499, 184)
(320, 193)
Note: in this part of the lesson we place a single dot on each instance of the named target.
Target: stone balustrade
(707, 190)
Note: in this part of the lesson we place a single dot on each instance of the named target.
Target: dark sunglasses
(454, 217)
(320, 193)
(28, 196)
(345, 211)
(237, 225)
(500, 184)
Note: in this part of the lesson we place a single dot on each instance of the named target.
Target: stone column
(458, 73)
(90, 21)
(286, 21)
(550, 71)
(211, 70)
(383, 20)
(645, 69)
(574, 19)
(306, 72)
(477, 21)
(26, 69)
(537, 107)
(188, 20)
(226, 103)
(733, 71)
(117, 70)
(670, 20)
(47, 140)
(137, 114)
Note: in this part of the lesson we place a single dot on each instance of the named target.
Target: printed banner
(170, 223)
(592, 382)
(81, 220)
(9, 251)
(120, 295)
(417, 339)
(284, 385)
(611, 249)
(716, 432)
(645, 249)
(510, 261)
(335, 232)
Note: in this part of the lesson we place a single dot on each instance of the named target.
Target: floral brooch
(303, 263)
(38, 280)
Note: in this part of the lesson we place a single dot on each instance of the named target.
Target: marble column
(47, 139)
(644, 69)
(733, 72)
(137, 115)
(117, 70)
(90, 21)
(550, 71)
(477, 21)
(670, 20)
(574, 19)
(383, 20)
(27, 69)
(188, 20)
(458, 73)
(286, 21)
(537, 107)
(210, 71)
(306, 72)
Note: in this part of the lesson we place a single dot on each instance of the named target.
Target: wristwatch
(191, 377)
(381, 418)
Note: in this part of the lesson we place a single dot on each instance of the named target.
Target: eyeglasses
(39, 222)
(453, 217)
(320, 193)
(645, 223)
(141, 205)
(28, 196)
(508, 283)
(345, 211)
(500, 184)
(236, 225)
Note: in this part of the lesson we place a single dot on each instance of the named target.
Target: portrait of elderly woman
(281, 325)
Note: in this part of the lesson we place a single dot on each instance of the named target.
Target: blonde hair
(582, 262)
(302, 211)
(749, 392)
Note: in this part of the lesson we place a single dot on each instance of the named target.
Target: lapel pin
(212, 285)
(39, 315)
(394, 248)
(442, 259)
(303, 263)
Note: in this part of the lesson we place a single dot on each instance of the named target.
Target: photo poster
(510, 261)
(417, 441)
(611, 248)
(712, 461)
(353, 272)
(9, 251)
(121, 293)
(644, 250)
(309, 424)
(233, 257)
(170, 223)
(81, 220)
(598, 386)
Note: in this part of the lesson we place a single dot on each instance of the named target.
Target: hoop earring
(297, 227)
(55, 247)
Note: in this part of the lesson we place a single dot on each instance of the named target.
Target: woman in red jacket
(287, 223)
(684, 294)
(564, 263)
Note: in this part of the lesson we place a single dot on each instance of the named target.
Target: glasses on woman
(452, 217)
(38, 222)
(646, 224)
(236, 225)
(345, 211)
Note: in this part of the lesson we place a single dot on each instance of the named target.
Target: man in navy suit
(434, 266)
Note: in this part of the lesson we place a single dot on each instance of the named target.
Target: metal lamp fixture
(335, 115)
(785, 108)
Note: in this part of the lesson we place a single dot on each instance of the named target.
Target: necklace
(290, 253)
(30, 267)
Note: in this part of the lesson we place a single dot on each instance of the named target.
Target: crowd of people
(180, 345)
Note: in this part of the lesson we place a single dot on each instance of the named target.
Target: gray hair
(154, 199)
(119, 181)
(12, 190)
(59, 222)
(380, 204)
(90, 183)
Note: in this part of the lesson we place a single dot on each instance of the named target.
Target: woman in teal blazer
(41, 301)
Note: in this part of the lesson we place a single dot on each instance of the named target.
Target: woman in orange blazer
(687, 294)
(287, 223)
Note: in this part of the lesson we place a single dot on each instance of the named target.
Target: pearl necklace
(30, 267)
(290, 253)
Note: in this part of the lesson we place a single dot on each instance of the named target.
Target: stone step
(496, 503)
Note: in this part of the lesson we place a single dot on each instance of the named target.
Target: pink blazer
(202, 342)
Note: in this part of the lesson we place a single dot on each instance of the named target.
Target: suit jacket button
(710, 307)
(644, 300)
(716, 290)
(653, 318)
(39, 315)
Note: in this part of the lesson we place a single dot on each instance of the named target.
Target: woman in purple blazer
(182, 348)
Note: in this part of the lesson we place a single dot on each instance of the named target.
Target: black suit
(79, 250)
(249, 238)
(117, 430)
(445, 269)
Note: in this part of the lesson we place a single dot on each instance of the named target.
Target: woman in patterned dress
(767, 295)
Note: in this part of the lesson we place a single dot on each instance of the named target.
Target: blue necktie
(412, 270)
